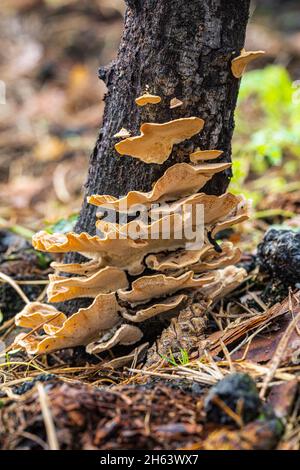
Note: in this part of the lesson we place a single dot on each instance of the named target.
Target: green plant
(271, 97)
(183, 358)
(63, 225)
(267, 129)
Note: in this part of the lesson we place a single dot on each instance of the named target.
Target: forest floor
(244, 392)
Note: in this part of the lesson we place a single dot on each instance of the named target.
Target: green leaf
(63, 225)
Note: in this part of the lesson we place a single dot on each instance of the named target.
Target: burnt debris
(279, 256)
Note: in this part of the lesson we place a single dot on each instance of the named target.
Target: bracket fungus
(83, 327)
(35, 314)
(229, 255)
(155, 309)
(147, 98)
(84, 269)
(125, 335)
(178, 181)
(101, 326)
(175, 261)
(217, 208)
(133, 357)
(175, 103)
(239, 64)
(155, 143)
(199, 155)
(112, 275)
(123, 133)
(206, 259)
(106, 280)
(151, 287)
(238, 214)
(117, 249)
(226, 280)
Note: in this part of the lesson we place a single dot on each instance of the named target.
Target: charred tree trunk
(176, 48)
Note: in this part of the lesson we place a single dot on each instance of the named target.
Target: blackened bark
(177, 48)
(133, 4)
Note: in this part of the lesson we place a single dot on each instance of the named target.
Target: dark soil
(19, 261)
(155, 416)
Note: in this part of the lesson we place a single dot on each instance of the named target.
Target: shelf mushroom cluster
(131, 279)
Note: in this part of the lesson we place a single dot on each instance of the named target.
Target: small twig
(278, 354)
(202, 377)
(221, 404)
(154, 374)
(227, 356)
(10, 281)
(291, 308)
(34, 438)
(7, 333)
(7, 324)
(33, 331)
(213, 365)
(42, 294)
(258, 301)
(41, 325)
(48, 420)
(29, 283)
(248, 340)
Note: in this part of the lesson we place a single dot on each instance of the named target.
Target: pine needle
(48, 420)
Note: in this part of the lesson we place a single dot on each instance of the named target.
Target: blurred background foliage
(267, 134)
(50, 54)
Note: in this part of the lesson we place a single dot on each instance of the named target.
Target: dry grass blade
(153, 374)
(227, 410)
(15, 286)
(275, 362)
(48, 420)
(7, 324)
(233, 333)
(227, 356)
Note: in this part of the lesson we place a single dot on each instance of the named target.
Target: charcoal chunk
(26, 386)
(279, 255)
(239, 393)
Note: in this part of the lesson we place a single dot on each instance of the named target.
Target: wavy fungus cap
(239, 64)
(155, 143)
(178, 181)
(147, 98)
